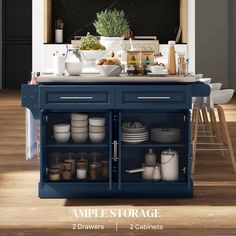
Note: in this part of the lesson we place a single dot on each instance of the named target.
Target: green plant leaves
(111, 23)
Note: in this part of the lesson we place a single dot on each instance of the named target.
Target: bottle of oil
(171, 58)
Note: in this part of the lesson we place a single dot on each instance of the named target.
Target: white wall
(212, 35)
(232, 44)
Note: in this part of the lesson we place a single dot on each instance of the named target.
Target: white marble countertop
(123, 78)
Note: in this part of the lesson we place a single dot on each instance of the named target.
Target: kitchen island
(155, 102)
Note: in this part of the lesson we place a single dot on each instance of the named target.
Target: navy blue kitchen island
(153, 103)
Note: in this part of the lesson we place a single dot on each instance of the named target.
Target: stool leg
(225, 130)
(215, 128)
(194, 142)
(205, 119)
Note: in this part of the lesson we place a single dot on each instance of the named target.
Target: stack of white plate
(134, 135)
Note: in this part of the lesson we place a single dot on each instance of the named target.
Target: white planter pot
(112, 44)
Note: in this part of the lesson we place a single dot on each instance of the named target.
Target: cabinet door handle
(153, 98)
(77, 98)
(115, 151)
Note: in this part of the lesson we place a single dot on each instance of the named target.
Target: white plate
(141, 133)
(133, 130)
(140, 139)
(141, 136)
(134, 141)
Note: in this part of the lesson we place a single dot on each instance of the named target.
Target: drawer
(76, 97)
(154, 97)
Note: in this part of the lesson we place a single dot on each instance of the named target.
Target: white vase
(112, 44)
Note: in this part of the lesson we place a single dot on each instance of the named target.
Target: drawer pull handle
(77, 98)
(152, 98)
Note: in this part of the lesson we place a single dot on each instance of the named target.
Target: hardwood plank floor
(212, 211)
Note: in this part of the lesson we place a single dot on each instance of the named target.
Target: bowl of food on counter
(91, 48)
(110, 67)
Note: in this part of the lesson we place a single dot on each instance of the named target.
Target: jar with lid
(96, 159)
(170, 165)
(182, 66)
(54, 174)
(55, 160)
(82, 166)
(67, 171)
(74, 60)
(150, 158)
(104, 168)
(93, 171)
(70, 158)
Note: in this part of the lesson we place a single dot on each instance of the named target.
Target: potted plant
(111, 25)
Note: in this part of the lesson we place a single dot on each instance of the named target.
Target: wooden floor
(211, 212)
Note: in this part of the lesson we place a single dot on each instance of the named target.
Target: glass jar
(54, 174)
(67, 171)
(55, 159)
(74, 61)
(95, 158)
(93, 171)
(182, 66)
(105, 169)
(82, 166)
(70, 158)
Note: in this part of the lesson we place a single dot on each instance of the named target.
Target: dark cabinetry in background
(17, 42)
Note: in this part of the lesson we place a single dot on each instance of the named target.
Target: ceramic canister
(150, 158)
(170, 165)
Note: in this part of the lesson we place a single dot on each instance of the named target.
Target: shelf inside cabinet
(153, 145)
(71, 145)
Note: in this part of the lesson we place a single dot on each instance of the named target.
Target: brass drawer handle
(153, 98)
(77, 98)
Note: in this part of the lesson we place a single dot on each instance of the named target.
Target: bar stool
(204, 113)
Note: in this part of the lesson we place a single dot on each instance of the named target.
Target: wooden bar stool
(205, 115)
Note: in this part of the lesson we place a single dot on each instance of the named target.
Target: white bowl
(74, 68)
(62, 137)
(96, 129)
(109, 70)
(96, 137)
(79, 137)
(61, 128)
(157, 69)
(97, 121)
(79, 123)
(79, 129)
(79, 116)
(165, 135)
(222, 96)
(205, 80)
(93, 55)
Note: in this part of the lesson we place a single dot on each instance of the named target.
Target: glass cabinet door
(154, 147)
(76, 147)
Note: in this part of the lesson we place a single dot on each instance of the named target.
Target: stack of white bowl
(79, 127)
(61, 133)
(97, 129)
